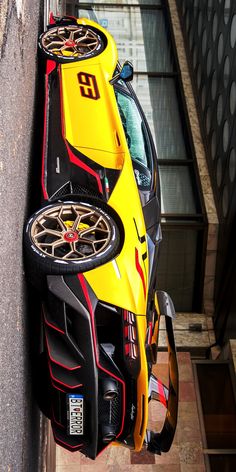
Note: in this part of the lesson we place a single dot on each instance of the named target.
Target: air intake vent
(74, 189)
(78, 189)
(65, 190)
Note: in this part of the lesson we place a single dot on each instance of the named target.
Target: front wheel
(70, 237)
(70, 43)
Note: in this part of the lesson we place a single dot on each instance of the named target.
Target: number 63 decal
(88, 86)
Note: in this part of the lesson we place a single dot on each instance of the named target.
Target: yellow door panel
(96, 126)
(106, 159)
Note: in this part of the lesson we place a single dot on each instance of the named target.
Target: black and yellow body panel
(98, 322)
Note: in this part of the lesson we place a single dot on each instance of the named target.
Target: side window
(135, 135)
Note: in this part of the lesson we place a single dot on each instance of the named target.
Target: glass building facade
(142, 30)
(210, 39)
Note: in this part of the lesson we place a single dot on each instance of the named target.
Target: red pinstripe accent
(103, 449)
(66, 444)
(75, 160)
(86, 294)
(50, 66)
(53, 326)
(150, 332)
(51, 18)
(55, 386)
(59, 363)
(161, 393)
(62, 383)
(84, 288)
(140, 271)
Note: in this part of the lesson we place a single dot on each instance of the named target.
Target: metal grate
(78, 189)
(74, 189)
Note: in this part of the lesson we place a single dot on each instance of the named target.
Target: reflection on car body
(92, 249)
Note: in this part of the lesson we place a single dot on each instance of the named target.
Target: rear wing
(162, 441)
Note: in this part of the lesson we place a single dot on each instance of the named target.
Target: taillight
(131, 346)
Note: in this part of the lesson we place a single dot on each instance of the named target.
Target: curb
(49, 448)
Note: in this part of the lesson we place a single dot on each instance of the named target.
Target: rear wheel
(70, 237)
(70, 43)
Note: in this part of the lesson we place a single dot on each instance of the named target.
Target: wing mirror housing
(126, 73)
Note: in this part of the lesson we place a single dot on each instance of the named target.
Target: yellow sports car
(92, 249)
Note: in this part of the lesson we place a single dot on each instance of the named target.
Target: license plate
(75, 414)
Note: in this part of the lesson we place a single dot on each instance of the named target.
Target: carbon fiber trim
(73, 189)
(73, 367)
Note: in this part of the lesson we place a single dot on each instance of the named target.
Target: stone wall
(209, 203)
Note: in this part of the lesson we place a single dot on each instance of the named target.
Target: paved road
(20, 21)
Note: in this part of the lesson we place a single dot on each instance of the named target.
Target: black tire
(101, 244)
(98, 36)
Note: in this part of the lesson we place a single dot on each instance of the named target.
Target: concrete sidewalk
(185, 454)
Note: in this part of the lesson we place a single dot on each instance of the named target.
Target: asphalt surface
(20, 113)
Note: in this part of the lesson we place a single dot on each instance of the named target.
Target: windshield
(133, 127)
(136, 138)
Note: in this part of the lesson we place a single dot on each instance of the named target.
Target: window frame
(127, 89)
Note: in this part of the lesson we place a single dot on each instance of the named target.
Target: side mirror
(126, 73)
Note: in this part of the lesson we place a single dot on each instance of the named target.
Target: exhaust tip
(109, 389)
(110, 395)
(109, 437)
(108, 433)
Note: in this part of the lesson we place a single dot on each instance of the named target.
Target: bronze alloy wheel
(72, 42)
(71, 232)
(70, 237)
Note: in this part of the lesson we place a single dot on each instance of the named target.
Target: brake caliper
(81, 226)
